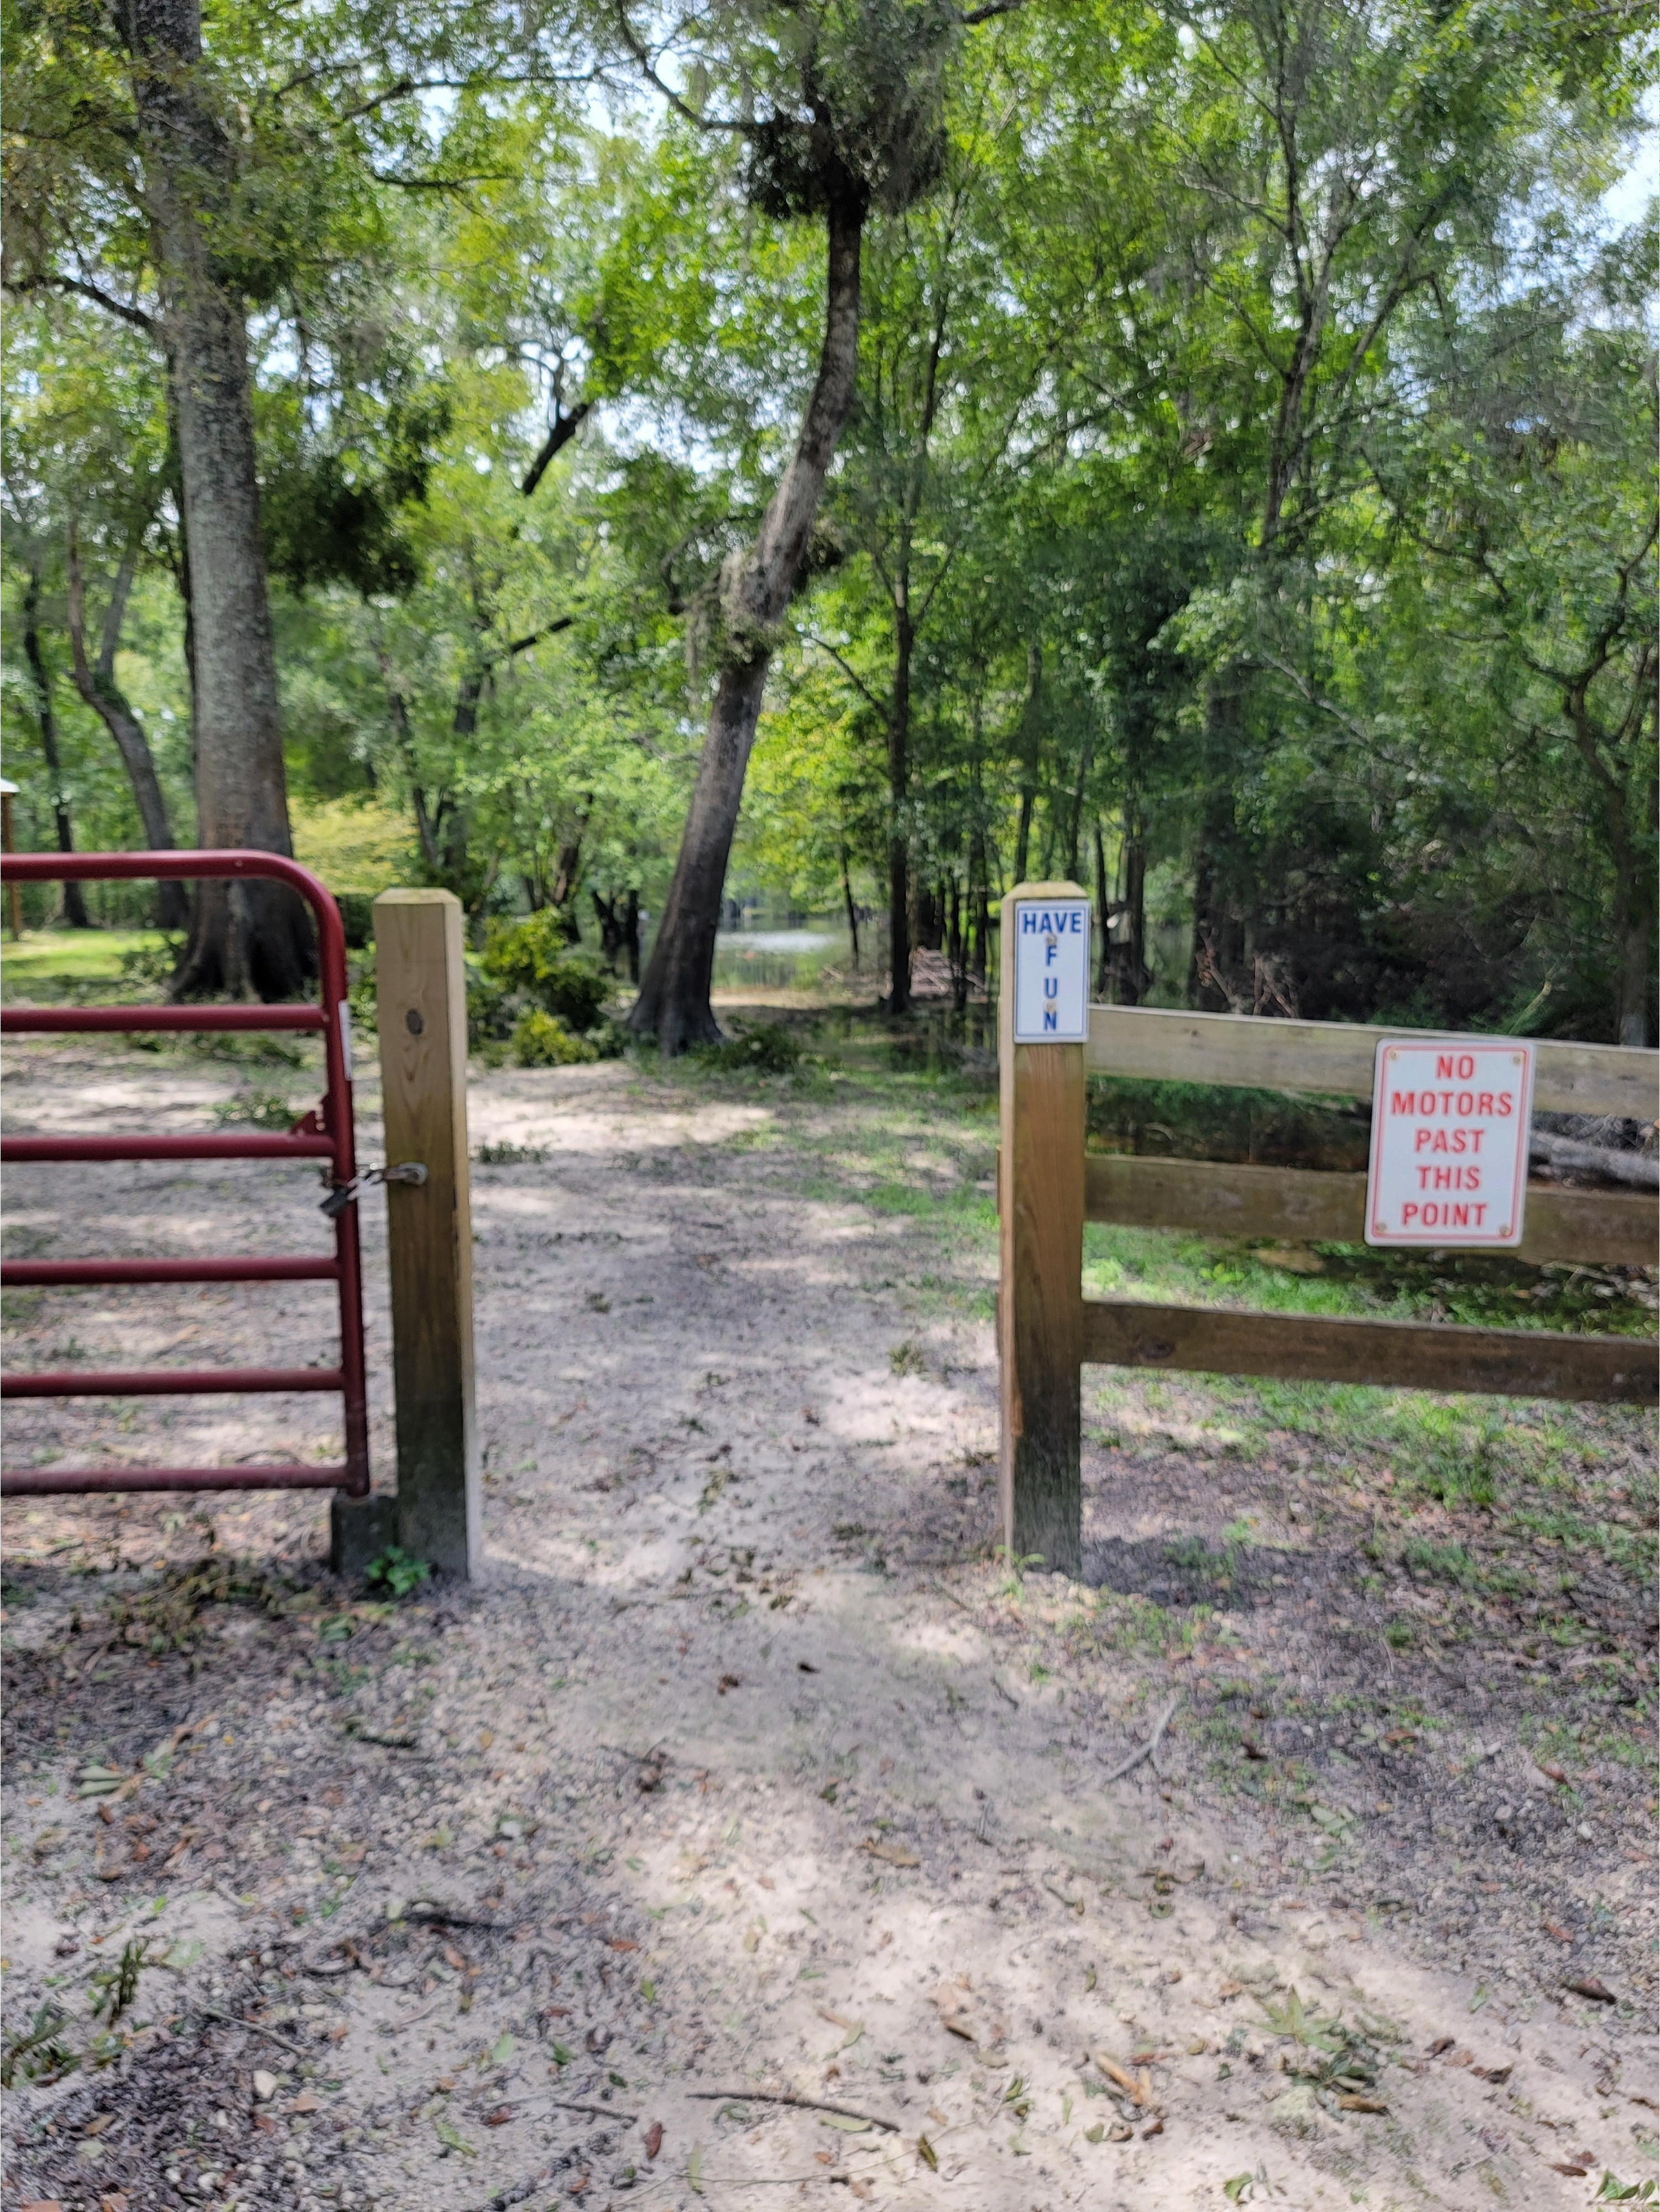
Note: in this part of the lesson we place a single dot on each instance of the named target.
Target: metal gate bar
(326, 1133)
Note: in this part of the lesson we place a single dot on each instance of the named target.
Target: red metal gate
(321, 1134)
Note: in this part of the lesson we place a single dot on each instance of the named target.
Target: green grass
(54, 963)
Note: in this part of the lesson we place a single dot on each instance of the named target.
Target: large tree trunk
(96, 684)
(75, 904)
(247, 936)
(673, 1005)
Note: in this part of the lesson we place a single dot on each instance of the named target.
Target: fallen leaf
(895, 1854)
(116, 2201)
(1494, 2073)
(1578, 2172)
(499, 2117)
(1353, 2104)
(1120, 2132)
(695, 2169)
(1230, 1989)
(960, 2026)
(305, 2104)
(1156, 2128)
(926, 2153)
(1095, 2134)
(1441, 2043)
(1089, 1977)
(486, 1738)
(1561, 1935)
(621, 1943)
(1549, 1768)
(97, 2127)
(453, 1958)
(845, 2122)
(653, 2139)
(805, 1667)
(1588, 1986)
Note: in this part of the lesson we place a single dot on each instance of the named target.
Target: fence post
(422, 998)
(1040, 1308)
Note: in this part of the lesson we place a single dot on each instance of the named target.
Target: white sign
(1449, 1126)
(1051, 971)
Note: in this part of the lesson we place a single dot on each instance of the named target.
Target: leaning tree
(838, 109)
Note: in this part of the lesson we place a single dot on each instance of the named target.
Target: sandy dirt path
(745, 1773)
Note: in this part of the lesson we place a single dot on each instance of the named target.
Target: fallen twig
(565, 2104)
(787, 2097)
(1146, 1750)
(254, 2026)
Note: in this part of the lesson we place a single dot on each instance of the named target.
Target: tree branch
(59, 282)
(564, 429)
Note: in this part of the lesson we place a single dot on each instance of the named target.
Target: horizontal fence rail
(324, 1134)
(1307, 1206)
(1443, 1356)
(1245, 1051)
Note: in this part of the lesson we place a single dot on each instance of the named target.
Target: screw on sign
(1449, 1126)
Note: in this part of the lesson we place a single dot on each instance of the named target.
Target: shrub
(533, 958)
(767, 1049)
(541, 1040)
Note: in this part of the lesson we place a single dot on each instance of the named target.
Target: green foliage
(541, 1040)
(40, 2051)
(534, 958)
(758, 1048)
(396, 1571)
(256, 1109)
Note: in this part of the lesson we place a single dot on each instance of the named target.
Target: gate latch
(347, 1193)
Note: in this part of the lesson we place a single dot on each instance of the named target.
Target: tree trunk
(1030, 737)
(1103, 916)
(97, 687)
(673, 1005)
(899, 899)
(632, 925)
(1136, 974)
(250, 935)
(852, 911)
(75, 904)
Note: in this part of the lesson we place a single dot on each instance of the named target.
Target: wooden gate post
(1040, 1308)
(421, 994)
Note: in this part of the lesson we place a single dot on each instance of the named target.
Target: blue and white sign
(1051, 971)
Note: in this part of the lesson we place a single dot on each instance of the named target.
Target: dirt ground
(749, 1832)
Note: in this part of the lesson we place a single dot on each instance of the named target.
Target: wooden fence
(1049, 1188)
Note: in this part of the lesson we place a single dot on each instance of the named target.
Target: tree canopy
(860, 455)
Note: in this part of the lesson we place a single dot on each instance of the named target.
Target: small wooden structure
(1049, 1188)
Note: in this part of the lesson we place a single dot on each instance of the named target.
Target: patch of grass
(259, 1110)
(165, 1617)
(53, 964)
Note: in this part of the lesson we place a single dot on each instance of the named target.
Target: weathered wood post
(1042, 1025)
(422, 995)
